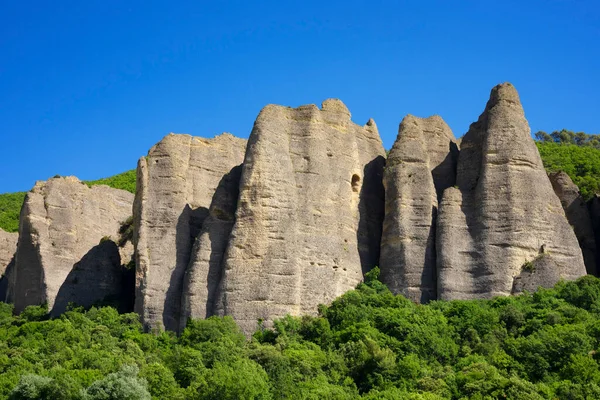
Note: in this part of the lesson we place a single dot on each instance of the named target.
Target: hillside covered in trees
(368, 344)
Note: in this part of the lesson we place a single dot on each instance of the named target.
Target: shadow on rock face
(371, 208)
(97, 279)
(189, 226)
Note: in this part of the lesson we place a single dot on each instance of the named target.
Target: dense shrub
(367, 344)
(10, 208)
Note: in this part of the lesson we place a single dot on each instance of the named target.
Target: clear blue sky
(87, 87)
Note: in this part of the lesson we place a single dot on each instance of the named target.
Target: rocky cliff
(62, 225)
(578, 215)
(297, 214)
(8, 246)
(420, 166)
(309, 212)
(502, 229)
(175, 187)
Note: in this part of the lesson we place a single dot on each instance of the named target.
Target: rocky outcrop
(309, 213)
(204, 271)
(420, 166)
(8, 246)
(62, 223)
(504, 216)
(578, 215)
(175, 187)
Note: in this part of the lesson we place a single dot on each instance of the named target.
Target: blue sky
(87, 87)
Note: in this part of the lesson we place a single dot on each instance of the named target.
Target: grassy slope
(10, 203)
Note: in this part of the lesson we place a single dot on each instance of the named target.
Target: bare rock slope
(503, 229)
(8, 246)
(578, 215)
(420, 166)
(175, 186)
(62, 223)
(309, 213)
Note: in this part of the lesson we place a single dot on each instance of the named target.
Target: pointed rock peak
(335, 106)
(371, 126)
(503, 93)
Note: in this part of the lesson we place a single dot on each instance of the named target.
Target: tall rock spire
(309, 213)
(503, 229)
(175, 187)
(421, 164)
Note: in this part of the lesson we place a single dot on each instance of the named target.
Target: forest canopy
(368, 344)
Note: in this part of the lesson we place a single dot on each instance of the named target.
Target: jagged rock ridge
(175, 186)
(62, 223)
(309, 212)
(420, 166)
(503, 228)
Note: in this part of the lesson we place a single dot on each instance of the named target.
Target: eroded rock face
(420, 166)
(8, 246)
(175, 186)
(578, 215)
(309, 213)
(62, 221)
(204, 271)
(504, 214)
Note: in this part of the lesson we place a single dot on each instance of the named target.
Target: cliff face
(420, 166)
(8, 246)
(578, 215)
(61, 226)
(504, 217)
(296, 215)
(175, 187)
(309, 212)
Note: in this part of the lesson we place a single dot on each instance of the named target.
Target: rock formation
(309, 213)
(503, 228)
(8, 246)
(578, 215)
(204, 271)
(175, 187)
(62, 223)
(420, 166)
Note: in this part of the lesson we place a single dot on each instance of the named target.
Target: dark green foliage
(581, 163)
(367, 344)
(10, 208)
(125, 181)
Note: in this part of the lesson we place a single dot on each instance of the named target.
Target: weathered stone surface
(8, 246)
(420, 166)
(309, 213)
(204, 272)
(578, 215)
(175, 187)
(504, 214)
(61, 222)
(100, 276)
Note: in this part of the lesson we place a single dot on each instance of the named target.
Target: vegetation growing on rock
(368, 344)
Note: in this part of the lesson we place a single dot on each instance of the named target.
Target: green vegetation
(581, 163)
(10, 208)
(10, 203)
(368, 344)
(125, 181)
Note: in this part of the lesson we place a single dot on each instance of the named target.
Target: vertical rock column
(62, 223)
(175, 186)
(309, 213)
(578, 215)
(8, 246)
(421, 164)
(503, 230)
